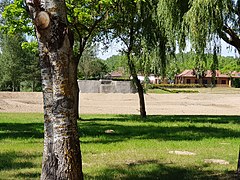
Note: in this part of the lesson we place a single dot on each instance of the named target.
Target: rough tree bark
(62, 155)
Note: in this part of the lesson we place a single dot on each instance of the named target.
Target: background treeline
(156, 32)
(177, 64)
(184, 61)
(19, 65)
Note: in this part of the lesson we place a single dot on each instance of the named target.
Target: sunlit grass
(157, 91)
(136, 149)
(169, 91)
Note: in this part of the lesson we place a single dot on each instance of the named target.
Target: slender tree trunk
(33, 84)
(134, 74)
(13, 86)
(62, 155)
(141, 97)
(138, 85)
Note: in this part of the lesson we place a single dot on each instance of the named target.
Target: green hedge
(180, 91)
(236, 83)
(160, 86)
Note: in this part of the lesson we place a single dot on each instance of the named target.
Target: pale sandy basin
(205, 103)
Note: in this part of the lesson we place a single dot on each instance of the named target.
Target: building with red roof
(206, 78)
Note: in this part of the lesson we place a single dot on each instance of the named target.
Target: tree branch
(233, 38)
(83, 40)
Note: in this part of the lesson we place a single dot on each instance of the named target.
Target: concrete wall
(124, 87)
(87, 86)
(106, 86)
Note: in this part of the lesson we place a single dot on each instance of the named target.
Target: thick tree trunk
(62, 155)
(75, 88)
(66, 140)
(49, 160)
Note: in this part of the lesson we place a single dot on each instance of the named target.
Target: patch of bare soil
(204, 103)
(21, 102)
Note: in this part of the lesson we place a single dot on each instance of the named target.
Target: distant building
(152, 79)
(116, 74)
(221, 80)
(235, 74)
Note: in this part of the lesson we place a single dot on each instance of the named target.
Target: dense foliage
(201, 22)
(19, 69)
(19, 66)
(157, 26)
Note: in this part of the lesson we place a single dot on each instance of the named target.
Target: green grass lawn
(157, 91)
(138, 149)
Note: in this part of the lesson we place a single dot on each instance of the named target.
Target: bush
(236, 83)
(179, 91)
(160, 86)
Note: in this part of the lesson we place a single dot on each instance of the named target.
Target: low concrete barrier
(106, 86)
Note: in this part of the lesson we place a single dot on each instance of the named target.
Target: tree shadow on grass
(29, 175)
(174, 118)
(213, 119)
(16, 161)
(190, 131)
(9, 160)
(19, 130)
(153, 169)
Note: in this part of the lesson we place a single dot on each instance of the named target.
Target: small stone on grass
(182, 153)
(216, 161)
(109, 131)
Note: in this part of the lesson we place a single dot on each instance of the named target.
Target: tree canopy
(201, 22)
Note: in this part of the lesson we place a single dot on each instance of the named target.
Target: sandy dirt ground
(207, 102)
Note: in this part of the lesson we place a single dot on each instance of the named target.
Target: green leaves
(30, 46)
(199, 21)
(16, 19)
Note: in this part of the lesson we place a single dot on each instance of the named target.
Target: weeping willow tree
(201, 22)
(135, 24)
(126, 26)
(155, 42)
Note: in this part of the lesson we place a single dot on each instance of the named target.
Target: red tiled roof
(235, 74)
(116, 74)
(186, 73)
(208, 73)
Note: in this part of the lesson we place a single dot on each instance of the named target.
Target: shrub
(179, 91)
(236, 83)
(160, 86)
